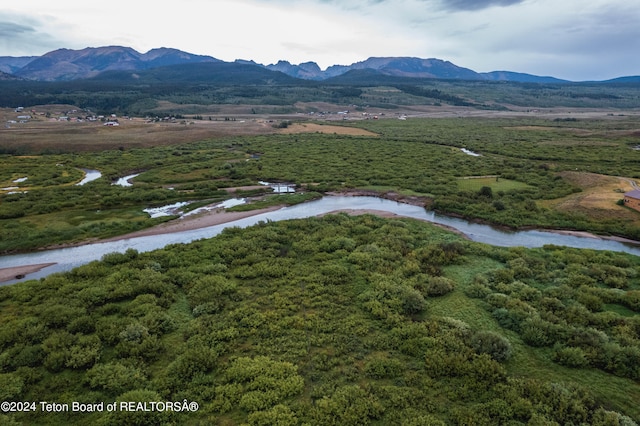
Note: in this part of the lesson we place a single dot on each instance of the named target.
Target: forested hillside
(332, 321)
(192, 89)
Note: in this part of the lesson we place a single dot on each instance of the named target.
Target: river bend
(68, 258)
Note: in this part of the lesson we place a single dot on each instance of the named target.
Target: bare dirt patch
(325, 128)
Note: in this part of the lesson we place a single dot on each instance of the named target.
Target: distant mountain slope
(10, 64)
(393, 66)
(220, 73)
(67, 64)
(407, 67)
(364, 77)
(6, 76)
(629, 79)
(519, 77)
(306, 70)
(416, 67)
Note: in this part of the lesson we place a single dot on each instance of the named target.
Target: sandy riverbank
(188, 223)
(8, 274)
(584, 234)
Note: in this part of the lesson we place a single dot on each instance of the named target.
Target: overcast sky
(571, 39)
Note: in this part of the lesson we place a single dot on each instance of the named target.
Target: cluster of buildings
(67, 116)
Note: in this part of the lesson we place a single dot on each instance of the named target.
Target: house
(632, 199)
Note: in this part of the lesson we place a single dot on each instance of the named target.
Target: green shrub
(380, 368)
(477, 291)
(538, 332)
(570, 357)
(11, 386)
(439, 286)
(493, 344)
(114, 378)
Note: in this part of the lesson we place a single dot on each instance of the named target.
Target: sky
(576, 40)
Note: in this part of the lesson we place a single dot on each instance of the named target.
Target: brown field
(43, 133)
(598, 197)
(326, 128)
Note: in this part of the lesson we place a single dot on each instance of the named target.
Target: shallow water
(90, 175)
(126, 180)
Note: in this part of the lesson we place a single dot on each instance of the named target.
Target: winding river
(68, 258)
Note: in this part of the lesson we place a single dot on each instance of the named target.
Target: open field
(45, 133)
(598, 197)
(472, 183)
(41, 134)
(325, 128)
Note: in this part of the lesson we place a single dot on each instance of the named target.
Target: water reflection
(469, 152)
(126, 180)
(280, 188)
(89, 176)
(170, 210)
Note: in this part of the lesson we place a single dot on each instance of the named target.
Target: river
(68, 258)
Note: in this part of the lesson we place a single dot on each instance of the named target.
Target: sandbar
(8, 274)
(188, 223)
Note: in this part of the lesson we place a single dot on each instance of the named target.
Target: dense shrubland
(338, 320)
(524, 157)
(582, 305)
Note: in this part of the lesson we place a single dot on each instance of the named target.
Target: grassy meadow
(496, 184)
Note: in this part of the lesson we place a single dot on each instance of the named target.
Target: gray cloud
(476, 4)
(22, 35)
(11, 29)
(598, 43)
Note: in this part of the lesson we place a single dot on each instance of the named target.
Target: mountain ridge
(68, 64)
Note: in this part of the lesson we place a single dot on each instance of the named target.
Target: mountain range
(68, 64)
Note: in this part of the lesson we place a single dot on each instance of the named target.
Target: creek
(70, 257)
